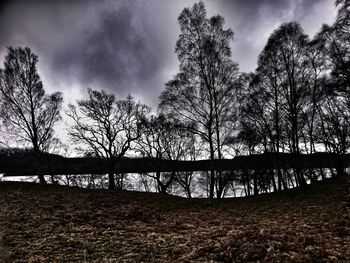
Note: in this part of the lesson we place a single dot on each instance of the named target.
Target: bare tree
(202, 94)
(106, 127)
(164, 139)
(27, 112)
(285, 63)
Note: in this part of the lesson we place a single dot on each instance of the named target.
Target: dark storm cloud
(114, 54)
(254, 20)
(128, 46)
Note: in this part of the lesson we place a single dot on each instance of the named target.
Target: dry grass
(60, 224)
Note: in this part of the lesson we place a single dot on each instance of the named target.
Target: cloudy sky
(127, 46)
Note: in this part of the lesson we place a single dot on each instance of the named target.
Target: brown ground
(60, 224)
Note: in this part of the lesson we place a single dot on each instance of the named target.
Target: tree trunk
(212, 172)
(162, 188)
(111, 181)
(38, 154)
(279, 178)
(42, 179)
(273, 181)
(301, 178)
(189, 195)
(255, 183)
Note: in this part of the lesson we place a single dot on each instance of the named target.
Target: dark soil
(60, 224)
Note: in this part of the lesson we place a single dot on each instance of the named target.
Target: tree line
(296, 101)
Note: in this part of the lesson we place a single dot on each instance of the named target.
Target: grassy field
(60, 224)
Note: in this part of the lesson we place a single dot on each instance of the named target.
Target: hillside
(25, 162)
(60, 224)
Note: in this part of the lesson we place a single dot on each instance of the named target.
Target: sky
(127, 47)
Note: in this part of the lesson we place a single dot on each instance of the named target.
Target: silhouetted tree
(283, 100)
(288, 47)
(202, 94)
(282, 87)
(163, 139)
(27, 112)
(335, 124)
(249, 137)
(286, 52)
(337, 41)
(270, 85)
(186, 149)
(334, 43)
(154, 145)
(106, 127)
(254, 114)
(317, 66)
